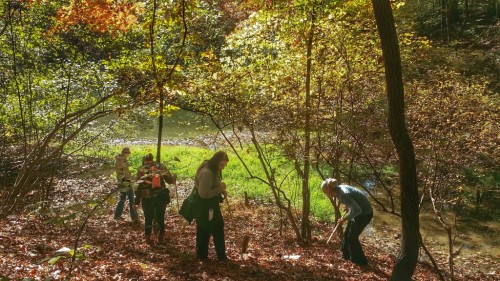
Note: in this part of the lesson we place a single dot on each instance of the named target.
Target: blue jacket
(355, 200)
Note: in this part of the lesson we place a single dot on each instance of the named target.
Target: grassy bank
(238, 178)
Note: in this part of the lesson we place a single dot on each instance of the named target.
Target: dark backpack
(190, 206)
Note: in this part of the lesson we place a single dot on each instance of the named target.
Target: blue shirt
(355, 200)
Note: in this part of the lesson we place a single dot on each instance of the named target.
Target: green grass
(236, 175)
(239, 180)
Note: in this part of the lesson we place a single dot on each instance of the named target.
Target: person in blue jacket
(358, 217)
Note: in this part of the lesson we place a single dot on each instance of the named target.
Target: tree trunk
(159, 84)
(407, 259)
(453, 12)
(444, 21)
(466, 17)
(306, 194)
(478, 197)
(160, 128)
(18, 87)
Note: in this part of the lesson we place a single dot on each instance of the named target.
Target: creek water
(180, 124)
(474, 238)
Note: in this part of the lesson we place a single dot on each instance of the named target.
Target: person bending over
(358, 217)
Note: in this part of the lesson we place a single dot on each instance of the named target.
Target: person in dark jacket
(154, 196)
(209, 221)
(358, 217)
(125, 178)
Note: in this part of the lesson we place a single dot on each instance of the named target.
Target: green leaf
(53, 260)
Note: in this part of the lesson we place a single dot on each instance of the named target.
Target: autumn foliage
(98, 15)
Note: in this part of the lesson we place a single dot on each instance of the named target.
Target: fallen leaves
(116, 249)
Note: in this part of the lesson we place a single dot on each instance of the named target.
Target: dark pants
(215, 229)
(154, 207)
(351, 248)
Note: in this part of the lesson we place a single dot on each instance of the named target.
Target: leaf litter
(115, 250)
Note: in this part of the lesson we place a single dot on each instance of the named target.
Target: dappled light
(397, 100)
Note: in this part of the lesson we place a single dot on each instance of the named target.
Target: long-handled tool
(177, 196)
(228, 207)
(334, 229)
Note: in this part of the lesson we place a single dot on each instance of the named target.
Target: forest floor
(115, 250)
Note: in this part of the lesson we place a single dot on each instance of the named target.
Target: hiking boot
(224, 259)
(149, 241)
(160, 238)
(200, 258)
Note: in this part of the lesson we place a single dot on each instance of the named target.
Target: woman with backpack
(154, 196)
(209, 220)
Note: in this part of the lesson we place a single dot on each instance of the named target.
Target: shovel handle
(334, 229)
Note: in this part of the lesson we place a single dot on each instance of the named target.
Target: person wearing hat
(124, 177)
(154, 197)
(358, 217)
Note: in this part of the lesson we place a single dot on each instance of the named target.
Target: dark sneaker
(361, 263)
(224, 259)
(200, 258)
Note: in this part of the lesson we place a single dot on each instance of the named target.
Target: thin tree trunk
(444, 21)
(453, 14)
(160, 82)
(282, 201)
(32, 125)
(408, 256)
(160, 130)
(448, 230)
(422, 244)
(18, 90)
(159, 86)
(466, 16)
(306, 194)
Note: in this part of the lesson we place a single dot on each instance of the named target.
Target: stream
(477, 240)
